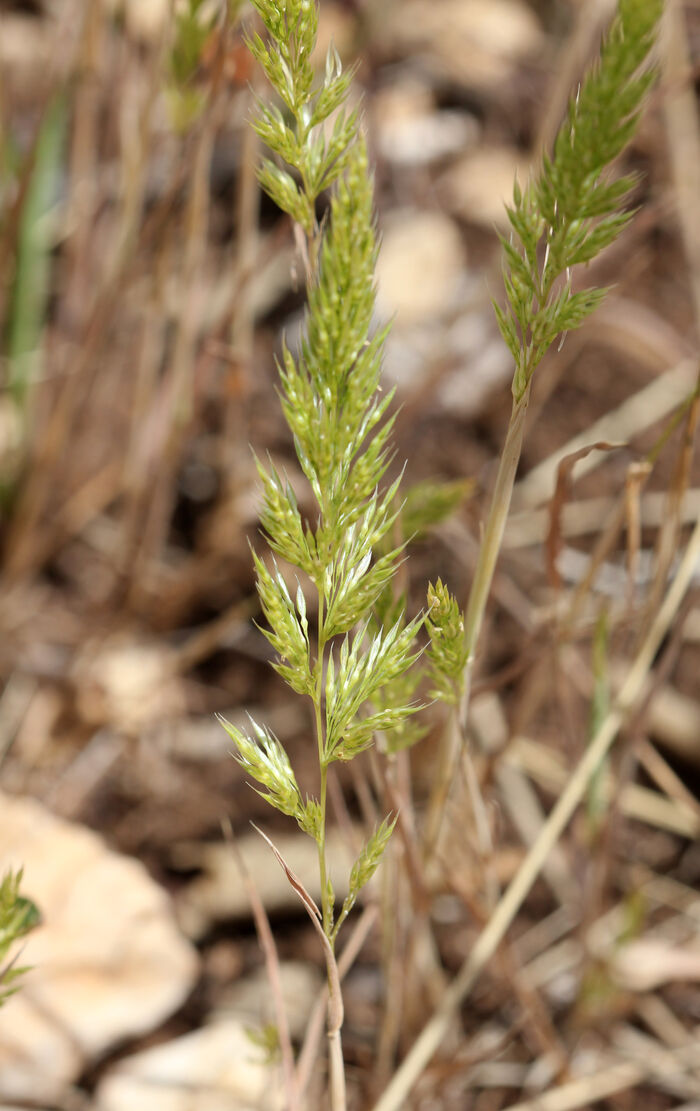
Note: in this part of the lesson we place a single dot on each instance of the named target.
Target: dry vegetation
(144, 287)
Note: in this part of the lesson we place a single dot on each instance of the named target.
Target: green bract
(447, 653)
(365, 866)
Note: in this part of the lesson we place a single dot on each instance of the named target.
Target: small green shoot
(30, 287)
(18, 915)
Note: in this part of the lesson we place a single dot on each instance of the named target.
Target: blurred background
(145, 286)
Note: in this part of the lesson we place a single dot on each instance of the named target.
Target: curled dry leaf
(293, 879)
(218, 893)
(421, 260)
(559, 498)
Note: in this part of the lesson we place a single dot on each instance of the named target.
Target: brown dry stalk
(272, 965)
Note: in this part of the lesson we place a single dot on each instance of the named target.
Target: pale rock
(25, 46)
(428, 138)
(108, 962)
(478, 186)
(507, 28)
(409, 354)
(402, 101)
(127, 684)
(482, 365)
(475, 43)
(420, 263)
(251, 999)
(216, 1068)
(38, 1059)
(411, 132)
(144, 19)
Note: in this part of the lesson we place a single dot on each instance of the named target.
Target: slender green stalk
(492, 539)
(30, 288)
(455, 732)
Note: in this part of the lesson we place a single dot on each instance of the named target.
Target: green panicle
(574, 209)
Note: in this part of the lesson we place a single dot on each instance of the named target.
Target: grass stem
(455, 733)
